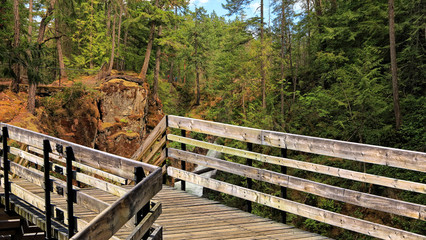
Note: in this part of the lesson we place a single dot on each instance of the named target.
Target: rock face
(123, 115)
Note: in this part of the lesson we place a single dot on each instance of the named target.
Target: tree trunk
(157, 66)
(108, 23)
(262, 57)
(14, 86)
(30, 20)
(62, 73)
(119, 35)
(91, 34)
(122, 65)
(394, 68)
(197, 72)
(282, 57)
(111, 60)
(171, 72)
(144, 69)
(33, 84)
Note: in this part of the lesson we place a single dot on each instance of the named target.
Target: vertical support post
(47, 188)
(283, 189)
(139, 176)
(70, 192)
(6, 168)
(183, 163)
(249, 180)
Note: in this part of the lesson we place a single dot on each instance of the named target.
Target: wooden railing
(97, 169)
(409, 160)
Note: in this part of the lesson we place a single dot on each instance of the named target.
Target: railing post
(70, 192)
(183, 163)
(47, 188)
(6, 168)
(139, 175)
(283, 189)
(249, 180)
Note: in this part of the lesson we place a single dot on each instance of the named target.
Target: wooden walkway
(186, 216)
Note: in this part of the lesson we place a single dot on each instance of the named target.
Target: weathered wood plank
(82, 167)
(100, 184)
(108, 222)
(117, 165)
(155, 149)
(366, 200)
(146, 223)
(354, 151)
(36, 177)
(335, 219)
(151, 139)
(332, 171)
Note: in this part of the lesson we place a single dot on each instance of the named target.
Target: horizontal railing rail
(408, 160)
(45, 160)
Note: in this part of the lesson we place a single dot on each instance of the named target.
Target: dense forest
(346, 70)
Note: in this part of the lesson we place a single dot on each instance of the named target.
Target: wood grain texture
(335, 219)
(146, 223)
(156, 133)
(117, 165)
(108, 222)
(353, 151)
(407, 209)
(85, 168)
(312, 167)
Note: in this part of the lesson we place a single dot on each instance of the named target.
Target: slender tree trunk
(91, 34)
(171, 72)
(111, 60)
(108, 23)
(282, 57)
(394, 68)
(157, 66)
(262, 57)
(144, 69)
(308, 12)
(14, 86)
(119, 35)
(33, 84)
(62, 72)
(122, 67)
(197, 72)
(30, 20)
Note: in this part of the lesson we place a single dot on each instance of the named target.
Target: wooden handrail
(307, 166)
(110, 168)
(409, 160)
(108, 222)
(101, 160)
(348, 150)
(321, 215)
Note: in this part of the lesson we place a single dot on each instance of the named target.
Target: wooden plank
(157, 234)
(335, 219)
(100, 184)
(85, 168)
(108, 222)
(146, 223)
(36, 177)
(117, 165)
(354, 151)
(150, 140)
(371, 201)
(155, 149)
(10, 223)
(307, 166)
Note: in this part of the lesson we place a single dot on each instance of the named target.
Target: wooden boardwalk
(186, 216)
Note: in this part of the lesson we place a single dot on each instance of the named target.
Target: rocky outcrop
(124, 111)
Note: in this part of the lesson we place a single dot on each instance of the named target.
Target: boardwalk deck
(186, 216)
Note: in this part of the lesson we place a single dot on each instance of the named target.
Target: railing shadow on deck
(69, 163)
(408, 160)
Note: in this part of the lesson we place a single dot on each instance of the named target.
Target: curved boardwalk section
(186, 216)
